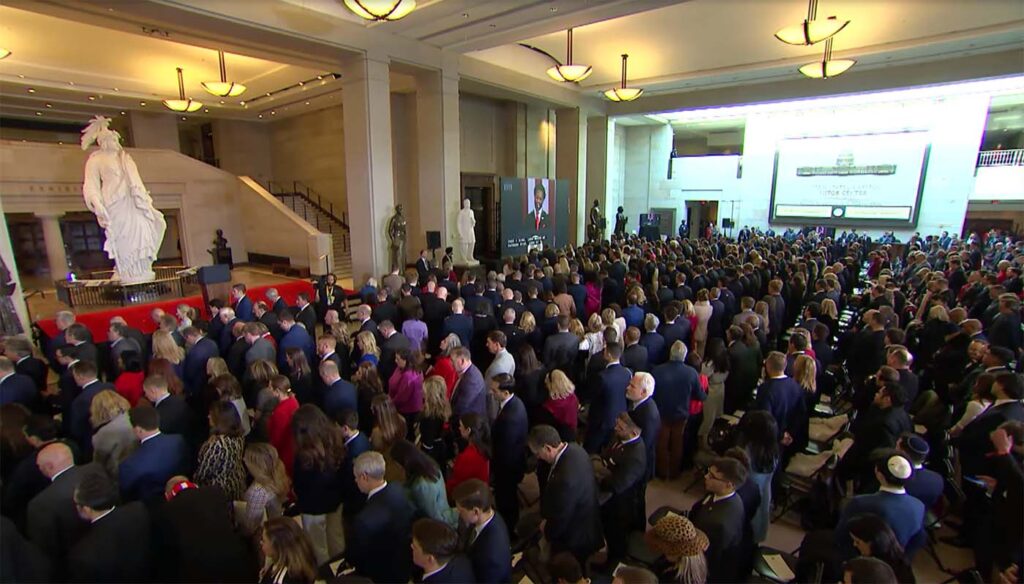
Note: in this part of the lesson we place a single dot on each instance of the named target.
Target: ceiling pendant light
(624, 93)
(223, 88)
(570, 73)
(381, 9)
(827, 67)
(182, 104)
(812, 30)
(4, 53)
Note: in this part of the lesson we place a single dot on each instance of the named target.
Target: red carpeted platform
(138, 315)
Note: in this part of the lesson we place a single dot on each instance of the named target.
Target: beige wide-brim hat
(675, 535)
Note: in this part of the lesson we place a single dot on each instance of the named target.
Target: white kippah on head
(899, 467)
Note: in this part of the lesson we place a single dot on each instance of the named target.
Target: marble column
(56, 255)
(437, 134)
(366, 107)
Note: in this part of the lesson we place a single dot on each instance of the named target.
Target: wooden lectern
(215, 282)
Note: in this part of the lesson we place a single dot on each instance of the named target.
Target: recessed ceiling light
(465, 15)
(206, 111)
(261, 116)
(123, 113)
(319, 76)
(183, 118)
(21, 76)
(142, 103)
(241, 103)
(222, 102)
(39, 113)
(307, 103)
(49, 105)
(268, 94)
(71, 82)
(92, 98)
(273, 113)
(301, 83)
(59, 142)
(30, 90)
(116, 89)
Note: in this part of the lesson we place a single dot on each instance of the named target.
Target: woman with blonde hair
(687, 311)
(829, 315)
(226, 388)
(256, 380)
(164, 347)
(805, 373)
(388, 428)
(593, 339)
(368, 386)
(113, 439)
(437, 410)
(532, 333)
(368, 350)
(561, 409)
(289, 553)
(576, 328)
(215, 367)
(265, 497)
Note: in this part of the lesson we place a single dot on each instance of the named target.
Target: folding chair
(952, 497)
(764, 571)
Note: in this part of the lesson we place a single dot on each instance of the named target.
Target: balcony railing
(1001, 158)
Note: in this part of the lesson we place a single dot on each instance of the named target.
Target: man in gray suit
(120, 341)
(52, 522)
(259, 347)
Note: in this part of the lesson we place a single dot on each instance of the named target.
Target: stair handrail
(311, 198)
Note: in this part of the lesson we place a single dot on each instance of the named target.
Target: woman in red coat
(474, 462)
(279, 424)
(443, 365)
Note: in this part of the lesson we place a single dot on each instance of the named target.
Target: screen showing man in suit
(534, 214)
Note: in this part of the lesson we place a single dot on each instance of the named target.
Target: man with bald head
(51, 520)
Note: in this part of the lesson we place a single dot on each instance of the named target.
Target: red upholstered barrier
(138, 315)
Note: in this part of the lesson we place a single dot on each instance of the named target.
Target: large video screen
(534, 213)
(850, 180)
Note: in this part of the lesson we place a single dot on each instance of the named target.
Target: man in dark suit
(277, 304)
(269, 318)
(338, 395)
(175, 415)
(534, 304)
(514, 336)
(423, 265)
(635, 355)
(235, 356)
(19, 350)
(356, 443)
(880, 426)
(195, 537)
(622, 487)
(486, 536)
(458, 323)
(435, 310)
(653, 341)
(305, 314)
(242, 303)
(116, 547)
(200, 350)
(674, 328)
(365, 320)
(394, 342)
(609, 399)
(644, 411)
(561, 348)
(508, 437)
(867, 353)
(80, 337)
(144, 473)
(84, 374)
(259, 348)
(470, 393)
(227, 331)
(720, 515)
(379, 547)
(538, 217)
(1005, 329)
(26, 480)
(51, 521)
(435, 549)
(783, 398)
(294, 337)
(68, 390)
(16, 388)
(676, 384)
(63, 320)
(925, 484)
(571, 519)
(974, 441)
(716, 324)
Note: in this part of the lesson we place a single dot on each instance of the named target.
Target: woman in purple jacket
(406, 388)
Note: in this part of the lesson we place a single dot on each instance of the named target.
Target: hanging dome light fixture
(812, 30)
(223, 88)
(381, 10)
(182, 104)
(827, 67)
(569, 73)
(623, 92)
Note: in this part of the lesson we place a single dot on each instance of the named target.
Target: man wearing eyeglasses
(720, 515)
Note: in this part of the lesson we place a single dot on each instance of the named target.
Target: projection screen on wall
(870, 179)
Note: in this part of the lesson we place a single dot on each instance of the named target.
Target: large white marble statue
(466, 225)
(114, 191)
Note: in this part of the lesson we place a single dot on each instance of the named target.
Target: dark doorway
(481, 191)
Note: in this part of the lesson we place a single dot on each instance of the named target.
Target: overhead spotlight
(182, 104)
(223, 88)
(381, 9)
(569, 72)
(812, 30)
